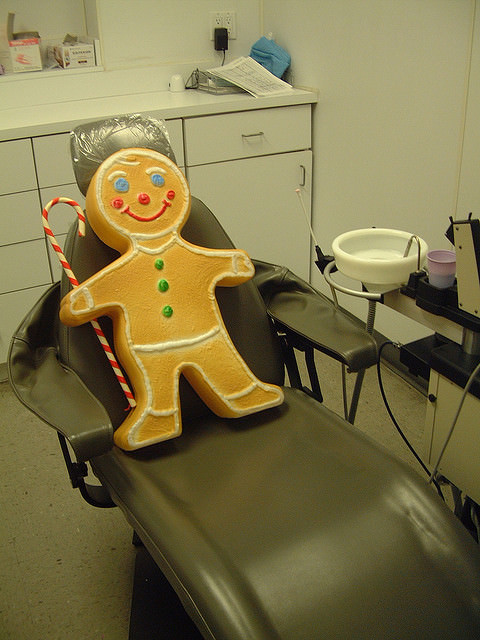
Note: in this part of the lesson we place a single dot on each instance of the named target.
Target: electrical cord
(397, 426)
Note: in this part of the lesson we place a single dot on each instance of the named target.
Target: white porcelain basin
(376, 257)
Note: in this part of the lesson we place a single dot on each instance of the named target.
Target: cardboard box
(24, 48)
(80, 54)
(25, 55)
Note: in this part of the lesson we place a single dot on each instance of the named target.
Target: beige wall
(388, 126)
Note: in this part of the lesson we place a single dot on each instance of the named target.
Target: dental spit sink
(382, 259)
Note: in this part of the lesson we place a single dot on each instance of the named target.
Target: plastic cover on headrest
(92, 143)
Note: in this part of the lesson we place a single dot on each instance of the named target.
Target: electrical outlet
(230, 24)
(226, 19)
(216, 21)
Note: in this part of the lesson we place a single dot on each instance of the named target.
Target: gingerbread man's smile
(143, 198)
(150, 218)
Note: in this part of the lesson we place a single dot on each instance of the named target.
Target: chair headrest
(92, 143)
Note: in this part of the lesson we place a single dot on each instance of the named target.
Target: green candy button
(163, 285)
(167, 311)
(159, 263)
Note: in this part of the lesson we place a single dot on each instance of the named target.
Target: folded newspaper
(252, 77)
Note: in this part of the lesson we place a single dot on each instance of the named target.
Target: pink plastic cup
(441, 268)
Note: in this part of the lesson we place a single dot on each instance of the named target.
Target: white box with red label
(25, 55)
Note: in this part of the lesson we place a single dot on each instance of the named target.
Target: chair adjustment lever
(76, 470)
(97, 496)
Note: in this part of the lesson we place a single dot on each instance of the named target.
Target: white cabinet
(244, 164)
(255, 200)
(53, 160)
(24, 265)
(13, 307)
(247, 134)
(26, 269)
(17, 169)
(24, 275)
(33, 172)
(460, 460)
(175, 133)
(246, 167)
(16, 221)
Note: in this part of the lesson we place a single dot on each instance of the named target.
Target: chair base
(156, 610)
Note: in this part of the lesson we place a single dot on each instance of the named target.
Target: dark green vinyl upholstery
(289, 524)
(295, 305)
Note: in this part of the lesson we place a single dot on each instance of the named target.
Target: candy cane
(66, 266)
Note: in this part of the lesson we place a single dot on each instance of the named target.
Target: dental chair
(288, 524)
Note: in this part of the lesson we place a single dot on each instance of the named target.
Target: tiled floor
(66, 568)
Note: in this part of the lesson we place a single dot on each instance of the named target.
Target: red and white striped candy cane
(66, 266)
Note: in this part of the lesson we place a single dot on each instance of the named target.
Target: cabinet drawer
(24, 265)
(54, 163)
(246, 134)
(260, 210)
(460, 461)
(20, 217)
(13, 308)
(175, 133)
(17, 167)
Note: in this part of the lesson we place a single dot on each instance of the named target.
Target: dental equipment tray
(441, 302)
(443, 356)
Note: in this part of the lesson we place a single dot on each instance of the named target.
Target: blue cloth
(271, 56)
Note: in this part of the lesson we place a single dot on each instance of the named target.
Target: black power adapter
(220, 37)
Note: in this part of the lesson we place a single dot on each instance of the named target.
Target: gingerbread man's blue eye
(157, 179)
(121, 185)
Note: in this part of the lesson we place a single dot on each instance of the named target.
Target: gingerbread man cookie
(160, 294)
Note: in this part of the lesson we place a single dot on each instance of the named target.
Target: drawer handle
(252, 135)
(303, 175)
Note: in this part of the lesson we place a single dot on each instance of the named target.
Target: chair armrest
(295, 305)
(51, 390)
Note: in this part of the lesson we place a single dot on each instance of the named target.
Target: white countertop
(58, 117)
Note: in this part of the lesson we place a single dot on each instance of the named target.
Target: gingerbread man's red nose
(143, 198)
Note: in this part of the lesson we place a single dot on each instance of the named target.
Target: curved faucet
(409, 244)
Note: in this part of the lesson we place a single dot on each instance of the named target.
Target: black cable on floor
(397, 426)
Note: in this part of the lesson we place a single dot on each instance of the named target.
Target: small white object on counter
(177, 84)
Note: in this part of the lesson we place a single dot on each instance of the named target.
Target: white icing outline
(240, 264)
(158, 347)
(131, 439)
(219, 331)
(116, 174)
(126, 161)
(121, 157)
(155, 170)
(85, 292)
(89, 298)
(241, 394)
